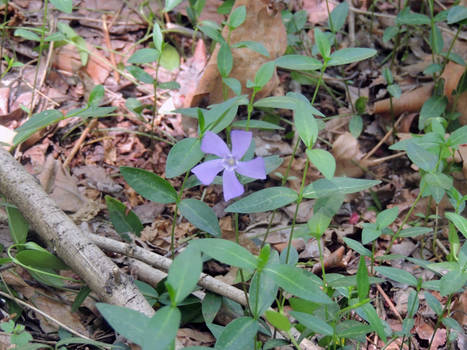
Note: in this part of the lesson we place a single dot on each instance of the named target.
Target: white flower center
(230, 163)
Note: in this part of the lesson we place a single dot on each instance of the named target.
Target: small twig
(78, 143)
(383, 140)
(389, 302)
(109, 46)
(64, 326)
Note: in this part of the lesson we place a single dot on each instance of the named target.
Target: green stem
(174, 220)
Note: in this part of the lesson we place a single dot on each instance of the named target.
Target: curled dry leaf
(261, 25)
(413, 100)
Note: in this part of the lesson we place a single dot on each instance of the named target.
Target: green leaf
(432, 108)
(370, 232)
(452, 282)
(297, 282)
(267, 199)
(344, 185)
(157, 37)
(212, 30)
(40, 259)
(257, 124)
(285, 102)
(171, 4)
(140, 74)
(394, 90)
(221, 115)
(96, 95)
(183, 156)
(298, 62)
(149, 185)
(314, 323)
(457, 14)
(357, 246)
(437, 183)
(252, 45)
(145, 55)
(433, 303)
(161, 328)
(35, 123)
(350, 55)
(459, 221)
(123, 219)
(210, 306)
(338, 16)
(184, 273)
(170, 58)
(324, 209)
(355, 124)
(233, 84)
(436, 40)
(458, 137)
(200, 215)
(374, 320)
(397, 275)
(17, 224)
(226, 252)
(224, 60)
(408, 17)
(351, 329)
(27, 34)
(390, 33)
(278, 320)
(421, 157)
(129, 323)
(264, 74)
(322, 42)
(63, 5)
(414, 231)
(363, 284)
(238, 334)
(305, 123)
(237, 17)
(323, 161)
(263, 292)
(386, 217)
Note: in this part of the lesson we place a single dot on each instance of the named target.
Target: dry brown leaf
(413, 100)
(317, 10)
(261, 25)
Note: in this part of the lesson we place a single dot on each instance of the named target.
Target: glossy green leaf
(323, 161)
(238, 334)
(145, 55)
(298, 62)
(432, 108)
(278, 320)
(149, 185)
(314, 323)
(224, 60)
(363, 284)
(459, 221)
(157, 37)
(161, 328)
(458, 137)
(264, 74)
(40, 260)
(140, 74)
(397, 275)
(170, 59)
(343, 185)
(96, 95)
(27, 34)
(338, 16)
(452, 282)
(356, 125)
(412, 18)
(387, 217)
(17, 224)
(184, 273)
(457, 14)
(267, 199)
(421, 157)
(257, 124)
(171, 4)
(227, 252)
(233, 84)
(129, 323)
(210, 306)
(237, 17)
(414, 231)
(252, 45)
(200, 215)
(433, 303)
(350, 55)
(35, 123)
(305, 123)
(322, 42)
(123, 219)
(370, 232)
(183, 156)
(374, 320)
(295, 281)
(357, 246)
(63, 5)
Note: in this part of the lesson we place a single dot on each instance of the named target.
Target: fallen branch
(62, 236)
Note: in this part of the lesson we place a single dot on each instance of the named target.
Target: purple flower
(229, 162)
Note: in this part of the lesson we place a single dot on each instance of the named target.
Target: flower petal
(241, 140)
(231, 186)
(213, 144)
(254, 168)
(207, 171)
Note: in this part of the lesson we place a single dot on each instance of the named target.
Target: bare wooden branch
(62, 236)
